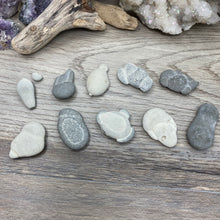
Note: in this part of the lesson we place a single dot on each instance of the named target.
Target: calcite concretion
(31, 9)
(8, 8)
(8, 30)
(173, 16)
(160, 126)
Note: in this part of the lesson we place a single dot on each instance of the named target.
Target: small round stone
(37, 77)
(160, 126)
(116, 125)
(26, 91)
(64, 87)
(72, 129)
(29, 142)
(201, 131)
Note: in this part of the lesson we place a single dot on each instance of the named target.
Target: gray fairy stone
(72, 129)
(37, 77)
(178, 81)
(64, 87)
(26, 91)
(135, 76)
(201, 131)
(116, 125)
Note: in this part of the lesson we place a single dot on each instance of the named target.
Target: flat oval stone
(98, 82)
(72, 129)
(116, 125)
(64, 87)
(135, 76)
(37, 77)
(160, 126)
(201, 131)
(26, 91)
(29, 142)
(178, 81)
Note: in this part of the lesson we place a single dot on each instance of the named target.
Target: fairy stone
(135, 76)
(116, 125)
(64, 87)
(29, 142)
(178, 81)
(26, 91)
(72, 129)
(201, 131)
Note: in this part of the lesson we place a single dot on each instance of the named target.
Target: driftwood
(115, 16)
(59, 16)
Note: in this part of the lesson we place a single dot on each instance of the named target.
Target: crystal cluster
(173, 16)
(8, 8)
(8, 30)
(31, 9)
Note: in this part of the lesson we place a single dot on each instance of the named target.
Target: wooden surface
(138, 180)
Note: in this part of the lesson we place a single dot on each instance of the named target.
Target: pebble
(201, 131)
(26, 91)
(64, 87)
(135, 76)
(98, 81)
(37, 77)
(72, 129)
(160, 126)
(29, 142)
(178, 81)
(116, 125)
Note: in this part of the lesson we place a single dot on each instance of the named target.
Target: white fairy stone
(29, 142)
(116, 125)
(173, 16)
(160, 126)
(97, 81)
(26, 91)
(37, 77)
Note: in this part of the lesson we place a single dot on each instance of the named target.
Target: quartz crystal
(8, 30)
(173, 16)
(31, 9)
(8, 8)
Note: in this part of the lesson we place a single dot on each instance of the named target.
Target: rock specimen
(26, 91)
(8, 8)
(97, 81)
(31, 9)
(60, 15)
(37, 77)
(201, 131)
(64, 87)
(115, 16)
(136, 77)
(29, 142)
(116, 125)
(160, 126)
(178, 81)
(172, 16)
(8, 30)
(72, 129)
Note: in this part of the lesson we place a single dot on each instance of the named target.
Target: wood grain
(138, 180)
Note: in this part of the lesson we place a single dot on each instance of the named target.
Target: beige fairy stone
(97, 81)
(29, 142)
(160, 126)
